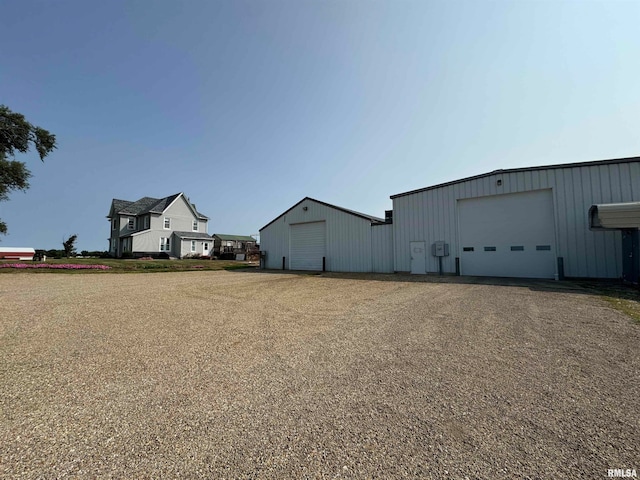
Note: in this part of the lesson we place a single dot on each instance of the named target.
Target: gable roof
(525, 169)
(236, 238)
(148, 205)
(372, 219)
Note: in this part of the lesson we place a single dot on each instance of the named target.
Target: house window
(146, 222)
(132, 224)
(165, 244)
(114, 224)
(167, 223)
(193, 245)
(195, 225)
(114, 244)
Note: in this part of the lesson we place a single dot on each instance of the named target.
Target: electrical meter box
(440, 249)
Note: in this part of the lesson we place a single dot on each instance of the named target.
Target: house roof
(526, 169)
(372, 219)
(193, 235)
(147, 205)
(235, 238)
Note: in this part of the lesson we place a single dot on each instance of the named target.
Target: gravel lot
(269, 375)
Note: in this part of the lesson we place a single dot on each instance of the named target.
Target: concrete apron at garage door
(511, 235)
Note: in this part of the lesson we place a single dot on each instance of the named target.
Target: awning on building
(614, 216)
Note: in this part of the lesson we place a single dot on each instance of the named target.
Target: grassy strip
(624, 298)
(628, 307)
(132, 266)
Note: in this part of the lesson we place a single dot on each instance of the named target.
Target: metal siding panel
(590, 255)
(275, 241)
(605, 184)
(599, 253)
(535, 180)
(520, 181)
(566, 208)
(528, 183)
(448, 263)
(348, 242)
(634, 179)
(484, 186)
(382, 248)
(614, 175)
(625, 182)
(512, 184)
(580, 224)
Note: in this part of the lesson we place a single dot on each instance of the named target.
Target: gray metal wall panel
(382, 248)
(431, 215)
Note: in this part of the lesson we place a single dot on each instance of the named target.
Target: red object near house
(16, 253)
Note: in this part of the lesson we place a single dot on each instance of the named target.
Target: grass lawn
(124, 266)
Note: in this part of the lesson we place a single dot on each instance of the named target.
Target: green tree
(18, 135)
(70, 246)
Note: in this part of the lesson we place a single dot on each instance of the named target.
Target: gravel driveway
(269, 375)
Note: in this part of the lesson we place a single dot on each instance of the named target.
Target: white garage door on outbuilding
(308, 245)
(510, 235)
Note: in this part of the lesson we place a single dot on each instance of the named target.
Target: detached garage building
(523, 222)
(314, 235)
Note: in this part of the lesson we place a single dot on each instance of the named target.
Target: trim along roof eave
(372, 219)
(523, 169)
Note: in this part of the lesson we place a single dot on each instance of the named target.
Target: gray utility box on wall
(440, 249)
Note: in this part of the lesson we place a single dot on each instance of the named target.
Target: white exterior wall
(348, 238)
(431, 215)
(382, 248)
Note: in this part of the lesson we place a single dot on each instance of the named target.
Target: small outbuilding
(17, 253)
(314, 235)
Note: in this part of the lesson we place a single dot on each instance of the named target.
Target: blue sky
(249, 106)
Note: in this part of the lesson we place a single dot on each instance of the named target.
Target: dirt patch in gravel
(268, 375)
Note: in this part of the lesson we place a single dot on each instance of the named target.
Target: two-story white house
(158, 227)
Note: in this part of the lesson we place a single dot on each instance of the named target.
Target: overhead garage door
(307, 246)
(510, 235)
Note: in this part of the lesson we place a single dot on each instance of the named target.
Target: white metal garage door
(510, 235)
(307, 246)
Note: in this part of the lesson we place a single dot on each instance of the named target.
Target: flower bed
(59, 266)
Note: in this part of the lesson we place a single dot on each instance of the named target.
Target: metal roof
(513, 170)
(372, 219)
(236, 238)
